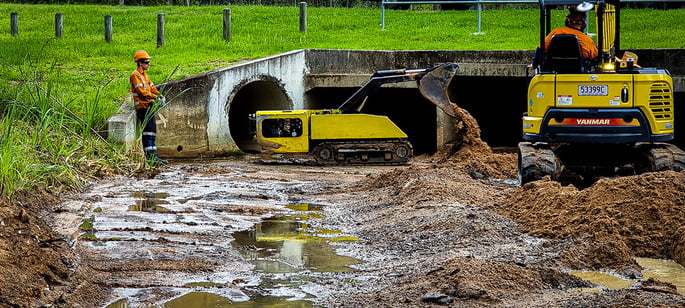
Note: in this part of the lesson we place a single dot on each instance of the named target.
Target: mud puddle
(285, 243)
(661, 270)
(211, 235)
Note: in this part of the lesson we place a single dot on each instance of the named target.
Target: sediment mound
(608, 223)
(611, 221)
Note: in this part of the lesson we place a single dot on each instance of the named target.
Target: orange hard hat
(141, 54)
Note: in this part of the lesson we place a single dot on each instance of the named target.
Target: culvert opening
(497, 103)
(257, 95)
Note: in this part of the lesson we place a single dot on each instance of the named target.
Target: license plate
(593, 90)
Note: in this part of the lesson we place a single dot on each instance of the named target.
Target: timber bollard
(227, 24)
(303, 16)
(160, 29)
(108, 28)
(58, 25)
(14, 23)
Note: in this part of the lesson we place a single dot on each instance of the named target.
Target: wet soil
(452, 229)
(445, 230)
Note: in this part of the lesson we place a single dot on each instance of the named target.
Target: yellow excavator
(603, 117)
(345, 135)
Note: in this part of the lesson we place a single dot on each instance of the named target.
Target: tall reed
(45, 144)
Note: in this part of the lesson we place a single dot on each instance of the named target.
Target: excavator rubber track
(536, 160)
(661, 157)
(363, 152)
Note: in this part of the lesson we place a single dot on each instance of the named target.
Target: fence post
(108, 28)
(303, 16)
(14, 23)
(58, 25)
(160, 29)
(227, 24)
(480, 12)
(382, 14)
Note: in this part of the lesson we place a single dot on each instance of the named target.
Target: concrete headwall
(207, 114)
(196, 121)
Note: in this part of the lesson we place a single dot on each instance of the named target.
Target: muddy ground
(452, 229)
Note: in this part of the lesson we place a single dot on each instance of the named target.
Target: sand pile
(611, 221)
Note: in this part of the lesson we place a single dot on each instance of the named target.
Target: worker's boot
(154, 160)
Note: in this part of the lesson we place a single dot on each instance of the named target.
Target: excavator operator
(575, 24)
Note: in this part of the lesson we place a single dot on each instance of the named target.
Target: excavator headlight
(608, 67)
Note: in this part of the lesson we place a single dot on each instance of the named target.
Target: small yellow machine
(347, 136)
(591, 118)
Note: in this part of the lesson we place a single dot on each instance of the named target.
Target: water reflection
(281, 244)
(604, 279)
(211, 300)
(661, 270)
(664, 270)
(150, 202)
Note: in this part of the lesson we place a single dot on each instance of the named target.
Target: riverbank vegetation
(56, 93)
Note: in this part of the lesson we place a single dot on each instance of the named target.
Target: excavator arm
(432, 83)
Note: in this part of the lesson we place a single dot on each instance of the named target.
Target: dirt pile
(472, 154)
(602, 227)
(427, 177)
(610, 222)
(469, 282)
(34, 262)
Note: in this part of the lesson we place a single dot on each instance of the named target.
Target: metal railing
(480, 3)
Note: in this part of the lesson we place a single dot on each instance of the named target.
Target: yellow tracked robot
(345, 135)
(607, 117)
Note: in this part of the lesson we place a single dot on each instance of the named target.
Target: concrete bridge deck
(208, 113)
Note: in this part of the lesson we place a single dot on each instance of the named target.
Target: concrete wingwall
(207, 114)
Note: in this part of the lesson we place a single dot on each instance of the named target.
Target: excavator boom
(432, 84)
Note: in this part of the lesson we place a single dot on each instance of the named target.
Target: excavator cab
(592, 118)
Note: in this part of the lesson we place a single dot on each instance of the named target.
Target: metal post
(303, 16)
(108, 28)
(160, 29)
(14, 23)
(382, 14)
(227, 24)
(480, 12)
(58, 25)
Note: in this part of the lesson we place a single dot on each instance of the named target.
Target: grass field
(76, 82)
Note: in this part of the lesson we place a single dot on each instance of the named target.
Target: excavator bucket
(433, 86)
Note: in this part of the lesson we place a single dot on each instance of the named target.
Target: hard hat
(141, 54)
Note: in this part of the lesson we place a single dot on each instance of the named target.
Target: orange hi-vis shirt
(143, 90)
(587, 46)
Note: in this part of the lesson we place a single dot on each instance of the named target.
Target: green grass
(55, 92)
(194, 43)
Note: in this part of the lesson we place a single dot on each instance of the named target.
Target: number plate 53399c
(593, 90)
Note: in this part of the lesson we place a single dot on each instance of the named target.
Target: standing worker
(145, 94)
